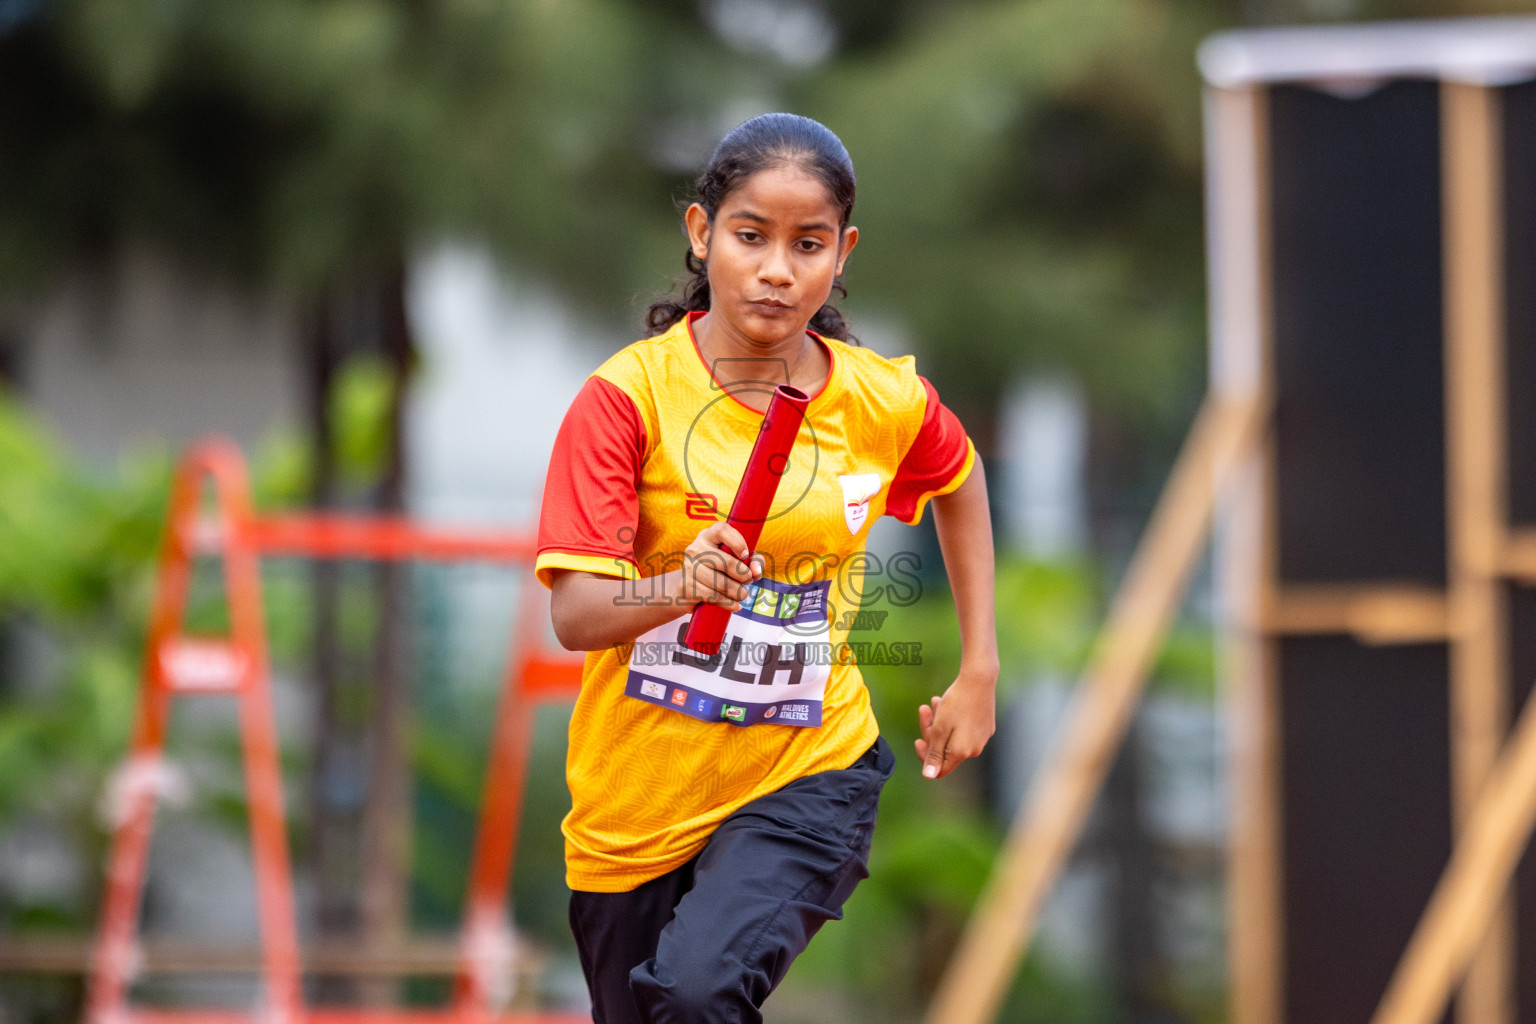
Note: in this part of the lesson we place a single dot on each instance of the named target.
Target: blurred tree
(1030, 197)
(314, 144)
(310, 142)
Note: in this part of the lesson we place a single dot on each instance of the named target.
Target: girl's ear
(697, 220)
(845, 245)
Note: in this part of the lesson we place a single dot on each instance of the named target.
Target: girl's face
(773, 251)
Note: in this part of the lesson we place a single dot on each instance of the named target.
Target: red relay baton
(766, 466)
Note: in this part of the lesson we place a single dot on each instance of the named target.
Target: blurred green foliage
(360, 414)
(74, 558)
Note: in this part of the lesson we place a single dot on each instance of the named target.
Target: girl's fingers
(712, 593)
(722, 545)
(725, 564)
(710, 582)
(932, 743)
(714, 534)
(726, 584)
(934, 766)
(731, 567)
(925, 723)
(728, 535)
(732, 538)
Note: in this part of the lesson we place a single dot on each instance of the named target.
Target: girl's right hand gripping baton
(766, 466)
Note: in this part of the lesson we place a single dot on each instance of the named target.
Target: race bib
(771, 669)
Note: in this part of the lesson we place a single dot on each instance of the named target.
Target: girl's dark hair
(768, 140)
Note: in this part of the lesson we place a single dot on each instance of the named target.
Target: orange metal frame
(177, 664)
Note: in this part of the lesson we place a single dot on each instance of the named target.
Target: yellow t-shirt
(649, 454)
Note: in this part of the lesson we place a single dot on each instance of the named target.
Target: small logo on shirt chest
(858, 489)
(701, 505)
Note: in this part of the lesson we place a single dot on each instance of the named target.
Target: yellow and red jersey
(648, 455)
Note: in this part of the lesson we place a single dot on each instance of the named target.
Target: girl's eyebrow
(760, 219)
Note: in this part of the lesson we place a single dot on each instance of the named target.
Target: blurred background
(381, 244)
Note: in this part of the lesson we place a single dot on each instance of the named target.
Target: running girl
(722, 806)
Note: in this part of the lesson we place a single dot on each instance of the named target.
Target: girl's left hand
(957, 725)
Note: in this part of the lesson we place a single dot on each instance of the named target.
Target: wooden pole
(1474, 375)
(1238, 265)
(1042, 837)
(1467, 899)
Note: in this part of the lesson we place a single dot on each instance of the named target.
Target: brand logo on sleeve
(858, 489)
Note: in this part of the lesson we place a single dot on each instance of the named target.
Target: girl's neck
(732, 358)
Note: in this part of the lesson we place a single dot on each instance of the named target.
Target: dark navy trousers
(708, 941)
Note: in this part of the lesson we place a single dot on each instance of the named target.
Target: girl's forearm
(964, 526)
(591, 612)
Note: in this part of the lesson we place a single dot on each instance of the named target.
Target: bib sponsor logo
(654, 690)
(679, 697)
(771, 712)
(704, 706)
(734, 713)
(794, 712)
(858, 489)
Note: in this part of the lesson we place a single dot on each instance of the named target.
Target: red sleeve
(938, 461)
(590, 508)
